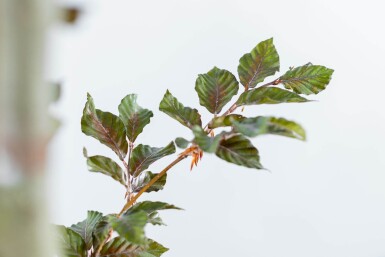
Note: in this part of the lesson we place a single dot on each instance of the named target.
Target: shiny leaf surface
(107, 167)
(261, 62)
(239, 150)
(134, 117)
(145, 177)
(150, 207)
(120, 247)
(87, 226)
(307, 79)
(185, 115)
(105, 127)
(215, 89)
(269, 95)
(143, 156)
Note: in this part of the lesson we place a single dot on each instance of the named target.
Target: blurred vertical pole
(24, 128)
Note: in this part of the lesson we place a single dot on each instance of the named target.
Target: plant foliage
(227, 135)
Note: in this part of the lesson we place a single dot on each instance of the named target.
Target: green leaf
(144, 178)
(101, 231)
(105, 127)
(145, 254)
(239, 150)
(287, 128)
(134, 117)
(120, 247)
(181, 142)
(150, 207)
(206, 143)
(269, 95)
(131, 226)
(251, 127)
(70, 243)
(155, 248)
(224, 121)
(270, 125)
(154, 219)
(107, 167)
(254, 67)
(216, 88)
(143, 156)
(87, 226)
(185, 115)
(307, 79)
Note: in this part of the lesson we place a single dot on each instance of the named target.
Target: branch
(152, 181)
(272, 83)
(235, 106)
(132, 200)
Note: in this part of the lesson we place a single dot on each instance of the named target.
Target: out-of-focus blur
(324, 197)
(25, 126)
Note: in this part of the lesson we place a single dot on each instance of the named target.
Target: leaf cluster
(227, 135)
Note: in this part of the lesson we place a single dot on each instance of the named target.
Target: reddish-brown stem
(272, 83)
(235, 106)
(132, 199)
(152, 181)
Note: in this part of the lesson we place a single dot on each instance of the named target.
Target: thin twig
(235, 106)
(272, 83)
(149, 184)
(230, 110)
(132, 200)
(144, 189)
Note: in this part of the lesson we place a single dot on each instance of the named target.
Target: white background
(321, 198)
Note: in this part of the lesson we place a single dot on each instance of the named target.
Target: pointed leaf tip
(216, 88)
(307, 79)
(106, 166)
(143, 156)
(105, 127)
(87, 226)
(261, 125)
(134, 117)
(269, 95)
(239, 150)
(185, 115)
(261, 62)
